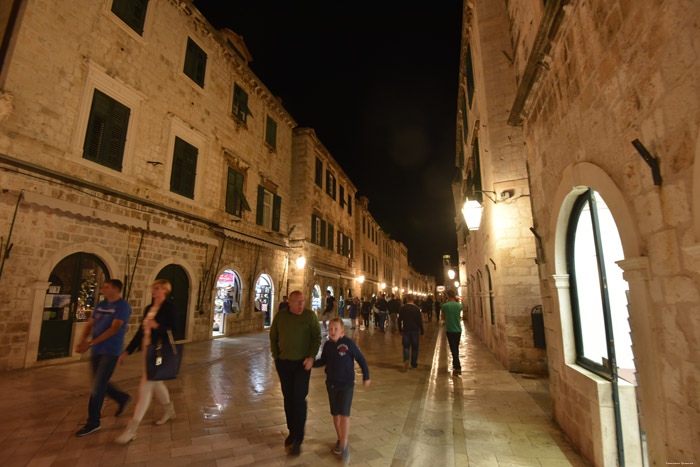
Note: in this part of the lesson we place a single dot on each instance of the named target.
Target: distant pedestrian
(328, 311)
(394, 308)
(383, 308)
(295, 337)
(429, 307)
(159, 319)
(452, 314)
(437, 309)
(339, 355)
(284, 304)
(108, 322)
(352, 310)
(411, 328)
(365, 310)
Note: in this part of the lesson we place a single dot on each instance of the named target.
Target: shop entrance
(316, 299)
(180, 295)
(72, 295)
(264, 296)
(227, 301)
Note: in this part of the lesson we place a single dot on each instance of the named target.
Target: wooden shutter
(319, 173)
(259, 215)
(350, 204)
(105, 136)
(341, 198)
(276, 211)
(184, 170)
(235, 199)
(240, 103)
(313, 229)
(271, 132)
(330, 237)
(195, 62)
(132, 12)
(323, 233)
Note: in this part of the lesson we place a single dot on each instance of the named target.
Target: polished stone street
(229, 412)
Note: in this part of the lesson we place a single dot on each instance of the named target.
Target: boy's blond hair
(337, 320)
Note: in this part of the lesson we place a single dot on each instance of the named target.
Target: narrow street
(229, 412)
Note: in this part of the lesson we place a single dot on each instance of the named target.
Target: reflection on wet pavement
(229, 412)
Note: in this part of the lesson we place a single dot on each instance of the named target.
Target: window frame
(274, 208)
(127, 22)
(239, 111)
(108, 129)
(178, 157)
(239, 204)
(271, 129)
(189, 46)
(330, 184)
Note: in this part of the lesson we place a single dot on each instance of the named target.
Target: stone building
(368, 233)
(322, 224)
(135, 144)
(604, 108)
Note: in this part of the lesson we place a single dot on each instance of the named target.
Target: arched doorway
(264, 295)
(600, 310)
(180, 295)
(316, 299)
(228, 300)
(73, 293)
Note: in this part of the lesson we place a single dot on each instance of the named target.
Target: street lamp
(451, 274)
(472, 213)
(383, 286)
(457, 284)
(361, 279)
(301, 262)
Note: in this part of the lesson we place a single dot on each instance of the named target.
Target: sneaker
(122, 406)
(345, 456)
(336, 449)
(87, 430)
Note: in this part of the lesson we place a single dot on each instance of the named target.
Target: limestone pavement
(229, 412)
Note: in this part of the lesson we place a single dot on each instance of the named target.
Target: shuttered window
(319, 173)
(323, 233)
(240, 103)
(106, 131)
(330, 184)
(132, 12)
(315, 229)
(330, 237)
(184, 170)
(465, 122)
(349, 204)
(470, 75)
(195, 62)
(341, 196)
(269, 208)
(235, 198)
(271, 132)
(474, 174)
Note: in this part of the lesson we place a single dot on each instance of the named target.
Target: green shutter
(231, 207)
(276, 211)
(323, 233)
(271, 132)
(330, 237)
(341, 198)
(261, 206)
(319, 173)
(132, 12)
(240, 103)
(105, 136)
(195, 62)
(313, 229)
(184, 170)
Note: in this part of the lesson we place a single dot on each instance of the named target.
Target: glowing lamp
(472, 213)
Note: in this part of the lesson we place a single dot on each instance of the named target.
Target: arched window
(598, 290)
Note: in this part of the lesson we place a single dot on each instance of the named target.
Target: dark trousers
(381, 318)
(102, 369)
(453, 340)
(410, 341)
(295, 387)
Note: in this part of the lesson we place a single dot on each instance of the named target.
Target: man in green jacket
(452, 314)
(295, 337)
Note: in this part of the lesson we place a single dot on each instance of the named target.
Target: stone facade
(60, 55)
(581, 81)
(497, 267)
(322, 223)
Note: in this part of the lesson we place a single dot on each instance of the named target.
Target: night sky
(378, 82)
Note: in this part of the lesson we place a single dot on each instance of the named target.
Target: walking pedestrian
(108, 325)
(394, 308)
(383, 307)
(352, 311)
(451, 314)
(284, 304)
(159, 319)
(328, 311)
(365, 310)
(295, 337)
(339, 355)
(411, 328)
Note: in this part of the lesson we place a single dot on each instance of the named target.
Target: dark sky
(378, 81)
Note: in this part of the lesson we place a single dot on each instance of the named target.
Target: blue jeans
(410, 340)
(102, 369)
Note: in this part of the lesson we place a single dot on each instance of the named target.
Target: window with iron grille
(105, 137)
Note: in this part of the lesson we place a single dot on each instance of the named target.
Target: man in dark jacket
(383, 307)
(411, 327)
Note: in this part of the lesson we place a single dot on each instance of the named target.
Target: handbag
(163, 359)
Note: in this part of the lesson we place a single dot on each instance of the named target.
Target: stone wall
(614, 72)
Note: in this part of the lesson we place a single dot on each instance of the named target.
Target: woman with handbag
(156, 329)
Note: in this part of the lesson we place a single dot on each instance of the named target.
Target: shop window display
(227, 300)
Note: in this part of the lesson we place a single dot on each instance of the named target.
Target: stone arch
(191, 276)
